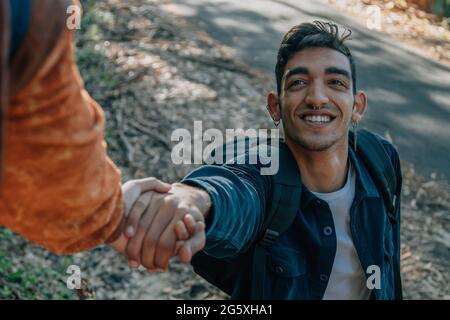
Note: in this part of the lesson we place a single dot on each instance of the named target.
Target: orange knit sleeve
(60, 189)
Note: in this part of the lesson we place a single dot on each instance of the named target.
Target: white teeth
(320, 119)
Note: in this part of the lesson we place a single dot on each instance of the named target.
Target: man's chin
(313, 145)
(316, 148)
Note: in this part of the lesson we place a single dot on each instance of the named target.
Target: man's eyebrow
(335, 70)
(329, 70)
(297, 70)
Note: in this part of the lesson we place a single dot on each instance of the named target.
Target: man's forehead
(321, 58)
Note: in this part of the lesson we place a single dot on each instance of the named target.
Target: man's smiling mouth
(317, 120)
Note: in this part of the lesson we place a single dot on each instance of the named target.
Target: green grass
(22, 279)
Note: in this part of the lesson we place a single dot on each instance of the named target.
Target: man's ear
(273, 106)
(359, 107)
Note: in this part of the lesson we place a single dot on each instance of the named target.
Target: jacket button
(323, 277)
(328, 231)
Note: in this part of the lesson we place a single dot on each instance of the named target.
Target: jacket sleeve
(239, 195)
(60, 189)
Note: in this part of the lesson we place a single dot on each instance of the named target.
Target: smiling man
(327, 225)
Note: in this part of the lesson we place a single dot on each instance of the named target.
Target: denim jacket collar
(364, 183)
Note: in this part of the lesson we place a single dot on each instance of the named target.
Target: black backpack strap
(285, 203)
(379, 165)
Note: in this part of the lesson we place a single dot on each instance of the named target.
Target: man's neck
(322, 171)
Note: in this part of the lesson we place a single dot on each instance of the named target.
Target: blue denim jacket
(302, 259)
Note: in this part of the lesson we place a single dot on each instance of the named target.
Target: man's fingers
(196, 243)
(133, 264)
(135, 244)
(181, 231)
(185, 253)
(137, 211)
(190, 223)
(166, 247)
(178, 246)
(162, 219)
(132, 189)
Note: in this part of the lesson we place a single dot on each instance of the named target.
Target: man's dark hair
(312, 35)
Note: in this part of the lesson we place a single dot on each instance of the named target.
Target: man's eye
(337, 82)
(298, 82)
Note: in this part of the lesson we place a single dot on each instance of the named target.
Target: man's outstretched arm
(239, 194)
(232, 200)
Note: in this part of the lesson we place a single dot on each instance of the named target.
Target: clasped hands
(161, 221)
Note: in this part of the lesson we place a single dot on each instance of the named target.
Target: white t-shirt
(347, 280)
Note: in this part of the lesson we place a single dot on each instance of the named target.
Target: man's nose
(316, 96)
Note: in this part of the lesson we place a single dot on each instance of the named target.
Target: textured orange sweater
(59, 189)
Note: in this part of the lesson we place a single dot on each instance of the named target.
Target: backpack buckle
(270, 237)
